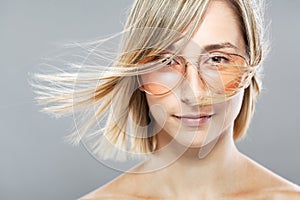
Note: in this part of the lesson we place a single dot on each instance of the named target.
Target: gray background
(35, 163)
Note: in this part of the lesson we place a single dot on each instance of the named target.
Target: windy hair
(112, 115)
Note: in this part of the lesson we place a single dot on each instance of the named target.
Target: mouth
(192, 120)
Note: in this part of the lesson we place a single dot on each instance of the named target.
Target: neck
(182, 169)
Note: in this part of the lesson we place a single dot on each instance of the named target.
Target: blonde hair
(111, 93)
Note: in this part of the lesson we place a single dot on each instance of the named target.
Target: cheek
(233, 106)
(166, 102)
(162, 107)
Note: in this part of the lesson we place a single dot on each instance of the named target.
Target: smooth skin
(224, 173)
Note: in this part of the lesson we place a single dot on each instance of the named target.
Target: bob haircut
(114, 100)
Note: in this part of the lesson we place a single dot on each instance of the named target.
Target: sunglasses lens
(227, 74)
(224, 74)
(160, 81)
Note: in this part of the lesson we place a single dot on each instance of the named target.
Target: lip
(194, 120)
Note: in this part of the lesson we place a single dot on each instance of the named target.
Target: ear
(248, 82)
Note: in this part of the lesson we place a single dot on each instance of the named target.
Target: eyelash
(223, 58)
(218, 55)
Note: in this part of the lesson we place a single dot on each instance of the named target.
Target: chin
(192, 141)
(197, 141)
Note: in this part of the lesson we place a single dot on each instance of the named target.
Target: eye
(218, 59)
(171, 61)
(173, 64)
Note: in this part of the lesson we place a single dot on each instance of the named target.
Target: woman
(180, 93)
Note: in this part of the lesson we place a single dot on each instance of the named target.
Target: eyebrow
(211, 47)
(223, 45)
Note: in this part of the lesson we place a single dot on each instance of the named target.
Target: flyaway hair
(110, 112)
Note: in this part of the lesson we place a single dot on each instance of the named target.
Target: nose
(194, 88)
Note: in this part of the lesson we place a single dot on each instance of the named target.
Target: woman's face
(180, 119)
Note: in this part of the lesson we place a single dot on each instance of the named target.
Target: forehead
(219, 26)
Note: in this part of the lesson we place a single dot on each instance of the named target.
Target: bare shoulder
(269, 184)
(287, 192)
(127, 186)
(115, 189)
